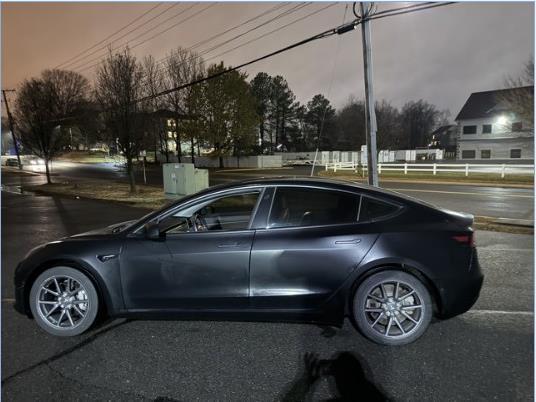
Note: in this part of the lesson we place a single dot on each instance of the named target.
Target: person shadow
(346, 376)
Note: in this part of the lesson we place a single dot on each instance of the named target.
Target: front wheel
(392, 308)
(64, 301)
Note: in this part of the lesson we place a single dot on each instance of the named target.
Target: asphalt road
(485, 354)
(513, 203)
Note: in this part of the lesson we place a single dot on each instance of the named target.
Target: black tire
(84, 300)
(374, 322)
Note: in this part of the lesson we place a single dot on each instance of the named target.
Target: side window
(232, 212)
(312, 207)
(469, 129)
(372, 209)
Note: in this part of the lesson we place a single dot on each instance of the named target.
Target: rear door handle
(229, 245)
(351, 241)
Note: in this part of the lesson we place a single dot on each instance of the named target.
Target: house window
(486, 129)
(469, 129)
(515, 153)
(468, 154)
(517, 126)
(485, 154)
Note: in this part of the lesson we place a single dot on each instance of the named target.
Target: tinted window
(311, 207)
(485, 154)
(469, 129)
(227, 213)
(517, 126)
(372, 209)
(467, 154)
(486, 129)
(515, 153)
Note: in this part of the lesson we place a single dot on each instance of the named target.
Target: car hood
(108, 230)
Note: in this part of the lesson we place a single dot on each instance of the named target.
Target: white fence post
(405, 168)
(466, 169)
(503, 169)
(435, 169)
(334, 166)
(379, 168)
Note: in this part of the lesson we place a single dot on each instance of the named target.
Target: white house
(488, 129)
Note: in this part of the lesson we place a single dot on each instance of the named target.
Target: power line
(273, 31)
(143, 33)
(109, 36)
(261, 36)
(154, 36)
(214, 47)
(339, 30)
(322, 35)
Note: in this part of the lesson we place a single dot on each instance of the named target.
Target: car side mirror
(152, 231)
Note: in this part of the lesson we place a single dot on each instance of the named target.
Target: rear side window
(312, 207)
(372, 209)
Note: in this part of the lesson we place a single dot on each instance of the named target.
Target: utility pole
(11, 125)
(370, 121)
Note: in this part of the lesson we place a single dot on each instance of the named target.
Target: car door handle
(351, 241)
(229, 245)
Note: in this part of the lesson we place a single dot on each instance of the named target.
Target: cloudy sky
(440, 55)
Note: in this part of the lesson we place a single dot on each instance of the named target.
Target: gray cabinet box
(183, 179)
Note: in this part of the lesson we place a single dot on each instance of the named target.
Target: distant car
(12, 162)
(37, 161)
(306, 250)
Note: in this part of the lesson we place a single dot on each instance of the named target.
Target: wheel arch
(97, 281)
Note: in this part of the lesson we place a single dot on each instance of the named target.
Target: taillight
(465, 239)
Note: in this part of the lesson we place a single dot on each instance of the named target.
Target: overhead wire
(76, 62)
(125, 45)
(110, 36)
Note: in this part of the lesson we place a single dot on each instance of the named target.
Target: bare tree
(520, 99)
(46, 108)
(183, 66)
(154, 84)
(118, 86)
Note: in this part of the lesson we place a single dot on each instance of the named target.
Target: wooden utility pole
(11, 125)
(370, 121)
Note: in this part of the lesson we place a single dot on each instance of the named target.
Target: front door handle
(229, 245)
(351, 241)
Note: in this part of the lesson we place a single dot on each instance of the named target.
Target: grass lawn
(452, 177)
(146, 197)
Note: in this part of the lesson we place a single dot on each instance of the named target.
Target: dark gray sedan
(305, 250)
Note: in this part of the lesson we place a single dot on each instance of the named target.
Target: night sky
(440, 55)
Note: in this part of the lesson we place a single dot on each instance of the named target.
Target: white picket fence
(437, 168)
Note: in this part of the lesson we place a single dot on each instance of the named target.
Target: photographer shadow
(347, 378)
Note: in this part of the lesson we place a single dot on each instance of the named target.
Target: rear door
(311, 244)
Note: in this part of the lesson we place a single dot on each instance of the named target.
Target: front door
(201, 262)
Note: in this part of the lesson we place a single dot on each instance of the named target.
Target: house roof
(444, 129)
(487, 103)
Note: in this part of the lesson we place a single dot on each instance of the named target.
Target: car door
(203, 267)
(311, 243)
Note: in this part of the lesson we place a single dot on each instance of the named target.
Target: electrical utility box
(182, 179)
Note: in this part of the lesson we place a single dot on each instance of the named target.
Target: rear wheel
(64, 301)
(392, 308)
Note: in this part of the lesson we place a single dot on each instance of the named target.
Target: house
(489, 129)
(445, 138)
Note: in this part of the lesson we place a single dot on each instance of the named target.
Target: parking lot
(485, 354)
